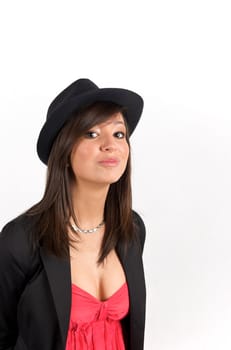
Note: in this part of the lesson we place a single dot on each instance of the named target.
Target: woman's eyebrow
(115, 122)
(118, 122)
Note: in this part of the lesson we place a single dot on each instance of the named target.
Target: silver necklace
(92, 230)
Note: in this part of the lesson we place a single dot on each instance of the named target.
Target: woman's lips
(110, 162)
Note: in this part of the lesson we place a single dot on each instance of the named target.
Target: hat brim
(126, 98)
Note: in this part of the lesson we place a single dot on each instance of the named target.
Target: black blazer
(35, 292)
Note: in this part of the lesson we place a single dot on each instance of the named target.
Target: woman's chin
(109, 180)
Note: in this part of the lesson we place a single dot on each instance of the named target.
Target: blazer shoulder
(15, 242)
(16, 230)
(140, 228)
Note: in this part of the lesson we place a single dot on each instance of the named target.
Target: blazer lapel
(59, 278)
(133, 268)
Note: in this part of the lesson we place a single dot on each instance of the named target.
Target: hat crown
(78, 87)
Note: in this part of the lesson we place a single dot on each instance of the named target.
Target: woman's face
(100, 156)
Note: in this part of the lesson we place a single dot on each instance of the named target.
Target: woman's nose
(108, 144)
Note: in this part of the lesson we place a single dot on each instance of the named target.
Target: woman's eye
(120, 134)
(91, 134)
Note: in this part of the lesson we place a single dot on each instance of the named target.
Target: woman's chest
(102, 280)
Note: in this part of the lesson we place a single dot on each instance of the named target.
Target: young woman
(71, 272)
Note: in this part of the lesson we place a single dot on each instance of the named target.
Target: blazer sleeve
(16, 263)
(141, 230)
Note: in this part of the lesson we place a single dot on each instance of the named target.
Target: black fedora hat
(83, 93)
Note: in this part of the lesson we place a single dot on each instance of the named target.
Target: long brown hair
(52, 213)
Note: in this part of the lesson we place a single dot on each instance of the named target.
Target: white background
(177, 55)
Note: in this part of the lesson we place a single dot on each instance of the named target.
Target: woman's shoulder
(17, 229)
(140, 227)
(15, 240)
(138, 220)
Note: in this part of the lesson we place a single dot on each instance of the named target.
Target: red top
(95, 324)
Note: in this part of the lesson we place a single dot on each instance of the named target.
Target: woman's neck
(88, 204)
